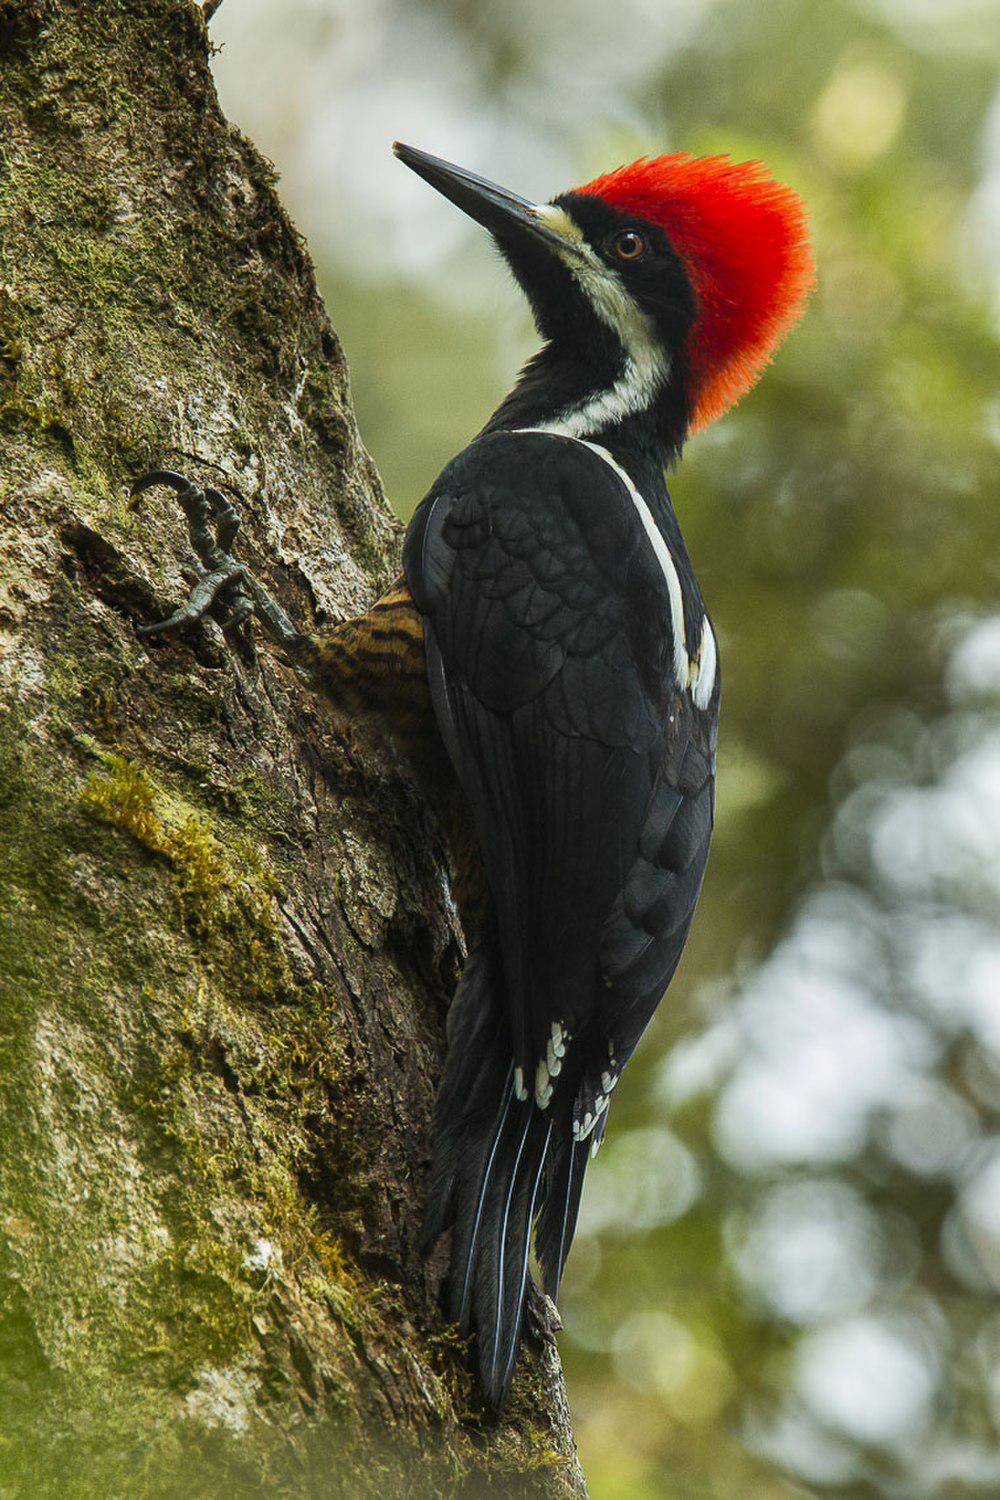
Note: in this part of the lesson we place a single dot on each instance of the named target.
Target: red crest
(743, 238)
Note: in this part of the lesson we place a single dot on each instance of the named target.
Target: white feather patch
(543, 1085)
(704, 668)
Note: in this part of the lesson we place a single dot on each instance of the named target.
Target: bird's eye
(628, 245)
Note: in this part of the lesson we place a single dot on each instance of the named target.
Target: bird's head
(670, 281)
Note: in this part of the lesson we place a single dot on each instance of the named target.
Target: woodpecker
(552, 633)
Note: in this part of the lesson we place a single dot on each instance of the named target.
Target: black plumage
(549, 640)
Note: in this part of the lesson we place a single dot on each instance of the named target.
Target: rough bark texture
(226, 938)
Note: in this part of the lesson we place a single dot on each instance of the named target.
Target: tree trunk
(226, 935)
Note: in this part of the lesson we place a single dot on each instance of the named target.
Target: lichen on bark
(226, 936)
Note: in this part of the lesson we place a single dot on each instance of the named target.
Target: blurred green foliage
(786, 1275)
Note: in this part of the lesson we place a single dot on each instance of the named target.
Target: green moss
(543, 1455)
(125, 797)
(228, 891)
(227, 894)
(37, 418)
(12, 330)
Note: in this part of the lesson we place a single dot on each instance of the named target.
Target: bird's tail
(500, 1166)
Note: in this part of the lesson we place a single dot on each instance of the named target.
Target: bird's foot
(217, 577)
(213, 526)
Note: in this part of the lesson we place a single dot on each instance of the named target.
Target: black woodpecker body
(550, 607)
(574, 676)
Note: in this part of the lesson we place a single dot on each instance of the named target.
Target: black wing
(645, 933)
(550, 654)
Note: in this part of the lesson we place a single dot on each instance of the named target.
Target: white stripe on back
(698, 675)
(682, 664)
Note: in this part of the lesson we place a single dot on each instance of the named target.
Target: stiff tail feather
(501, 1166)
(558, 1214)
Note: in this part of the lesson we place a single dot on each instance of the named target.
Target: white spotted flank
(543, 1085)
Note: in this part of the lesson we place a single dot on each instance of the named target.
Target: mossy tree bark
(226, 938)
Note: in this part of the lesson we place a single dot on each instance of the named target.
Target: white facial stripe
(646, 363)
(559, 220)
(698, 675)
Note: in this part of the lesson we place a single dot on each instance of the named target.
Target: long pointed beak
(504, 214)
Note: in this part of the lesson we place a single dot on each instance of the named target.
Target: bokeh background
(785, 1281)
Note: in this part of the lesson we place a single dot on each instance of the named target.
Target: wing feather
(550, 651)
(549, 645)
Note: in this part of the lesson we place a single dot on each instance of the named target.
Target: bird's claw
(213, 526)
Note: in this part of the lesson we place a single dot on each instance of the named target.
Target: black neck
(557, 380)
